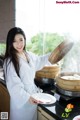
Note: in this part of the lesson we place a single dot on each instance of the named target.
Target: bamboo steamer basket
(60, 51)
(69, 81)
(48, 72)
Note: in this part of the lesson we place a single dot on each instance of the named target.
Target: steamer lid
(60, 51)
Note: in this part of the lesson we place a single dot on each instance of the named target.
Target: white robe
(21, 88)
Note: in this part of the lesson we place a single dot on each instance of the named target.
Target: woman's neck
(24, 56)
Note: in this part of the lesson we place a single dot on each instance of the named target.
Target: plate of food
(76, 117)
(44, 98)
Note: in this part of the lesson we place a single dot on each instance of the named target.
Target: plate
(44, 98)
(76, 117)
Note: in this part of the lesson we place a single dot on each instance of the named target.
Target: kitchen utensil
(68, 83)
(76, 117)
(45, 77)
(44, 82)
(44, 98)
(60, 51)
(48, 72)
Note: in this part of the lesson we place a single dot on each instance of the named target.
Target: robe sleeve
(15, 86)
(41, 61)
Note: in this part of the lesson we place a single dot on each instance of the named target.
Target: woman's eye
(21, 39)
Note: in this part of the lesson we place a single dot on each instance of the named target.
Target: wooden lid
(60, 51)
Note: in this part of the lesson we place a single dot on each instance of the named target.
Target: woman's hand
(34, 101)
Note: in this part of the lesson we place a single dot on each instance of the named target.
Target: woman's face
(19, 43)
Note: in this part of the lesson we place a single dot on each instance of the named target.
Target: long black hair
(10, 51)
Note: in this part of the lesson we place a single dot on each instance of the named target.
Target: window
(47, 23)
(37, 18)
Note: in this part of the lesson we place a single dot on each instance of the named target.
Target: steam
(71, 62)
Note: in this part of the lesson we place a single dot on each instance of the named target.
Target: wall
(7, 17)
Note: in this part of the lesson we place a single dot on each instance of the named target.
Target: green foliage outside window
(40, 42)
(47, 43)
(2, 48)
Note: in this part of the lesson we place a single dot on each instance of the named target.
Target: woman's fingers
(34, 101)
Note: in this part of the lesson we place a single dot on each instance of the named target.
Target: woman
(19, 68)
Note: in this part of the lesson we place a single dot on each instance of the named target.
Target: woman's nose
(18, 43)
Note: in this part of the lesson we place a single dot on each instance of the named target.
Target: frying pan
(60, 51)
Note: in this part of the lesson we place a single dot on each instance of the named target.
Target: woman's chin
(20, 51)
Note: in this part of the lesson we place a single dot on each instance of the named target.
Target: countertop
(57, 110)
